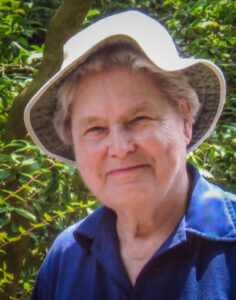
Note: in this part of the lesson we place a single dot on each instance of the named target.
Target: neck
(147, 220)
(142, 231)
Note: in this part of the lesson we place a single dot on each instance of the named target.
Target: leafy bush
(47, 197)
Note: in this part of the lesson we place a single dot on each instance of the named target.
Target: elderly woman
(122, 108)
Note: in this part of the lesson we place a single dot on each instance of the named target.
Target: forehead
(118, 91)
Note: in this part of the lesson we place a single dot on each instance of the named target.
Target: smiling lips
(126, 170)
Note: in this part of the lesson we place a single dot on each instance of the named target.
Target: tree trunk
(66, 22)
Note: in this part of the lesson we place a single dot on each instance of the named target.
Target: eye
(139, 119)
(95, 130)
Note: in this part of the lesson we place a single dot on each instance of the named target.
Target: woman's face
(129, 140)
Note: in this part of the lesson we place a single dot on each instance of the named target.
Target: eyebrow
(133, 110)
(89, 120)
(138, 108)
(143, 107)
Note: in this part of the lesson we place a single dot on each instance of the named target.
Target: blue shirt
(198, 261)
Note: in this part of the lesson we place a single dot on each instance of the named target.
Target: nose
(120, 143)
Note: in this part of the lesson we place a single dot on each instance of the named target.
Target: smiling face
(129, 140)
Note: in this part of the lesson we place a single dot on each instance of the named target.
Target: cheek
(165, 140)
(89, 164)
(83, 160)
(155, 138)
(88, 173)
(86, 164)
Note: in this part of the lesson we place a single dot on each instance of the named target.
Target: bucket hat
(156, 44)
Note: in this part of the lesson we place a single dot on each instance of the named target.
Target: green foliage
(206, 29)
(19, 58)
(16, 30)
(5, 276)
(47, 197)
(39, 196)
(216, 157)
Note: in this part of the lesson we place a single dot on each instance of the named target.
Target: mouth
(126, 170)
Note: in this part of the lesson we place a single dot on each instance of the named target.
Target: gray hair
(122, 54)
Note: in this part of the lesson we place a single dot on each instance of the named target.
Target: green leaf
(22, 230)
(3, 157)
(3, 252)
(19, 11)
(39, 225)
(5, 174)
(25, 213)
(3, 237)
(207, 23)
(27, 286)
(92, 12)
(27, 162)
(47, 217)
(14, 239)
(14, 195)
(4, 220)
(6, 208)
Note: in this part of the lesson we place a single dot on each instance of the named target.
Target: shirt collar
(210, 213)
(100, 229)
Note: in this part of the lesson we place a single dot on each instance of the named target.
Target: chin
(126, 195)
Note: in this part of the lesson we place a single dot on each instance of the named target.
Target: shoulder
(225, 196)
(211, 212)
(67, 255)
(209, 190)
(63, 246)
(67, 239)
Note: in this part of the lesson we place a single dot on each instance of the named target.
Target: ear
(185, 111)
(188, 125)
